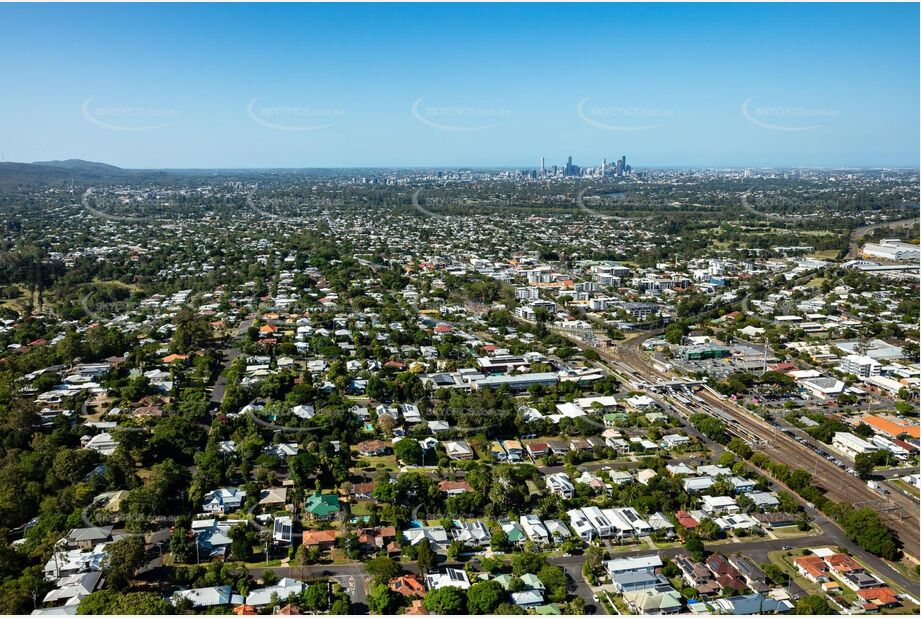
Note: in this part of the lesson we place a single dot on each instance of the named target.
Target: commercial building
(891, 426)
(892, 249)
(851, 445)
(861, 366)
(704, 351)
(517, 382)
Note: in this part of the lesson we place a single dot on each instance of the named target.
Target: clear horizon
(490, 167)
(462, 86)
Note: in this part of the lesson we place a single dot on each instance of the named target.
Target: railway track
(840, 486)
(900, 513)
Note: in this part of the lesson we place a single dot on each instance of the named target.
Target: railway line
(840, 486)
(899, 512)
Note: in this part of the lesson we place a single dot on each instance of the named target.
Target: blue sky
(461, 85)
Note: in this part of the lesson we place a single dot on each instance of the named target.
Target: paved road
(578, 586)
(896, 472)
(220, 385)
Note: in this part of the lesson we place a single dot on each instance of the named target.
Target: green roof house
(548, 610)
(653, 601)
(531, 582)
(322, 507)
(504, 580)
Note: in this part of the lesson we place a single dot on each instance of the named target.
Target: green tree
(576, 607)
(455, 549)
(499, 541)
(110, 602)
(694, 546)
(554, 580)
(425, 556)
(178, 436)
(509, 609)
(674, 332)
(408, 451)
(774, 573)
(192, 333)
(181, 545)
(866, 528)
(340, 607)
(316, 596)
(241, 543)
(447, 600)
(124, 557)
(813, 604)
(864, 465)
(381, 599)
(527, 562)
(484, 597)
(383, 569)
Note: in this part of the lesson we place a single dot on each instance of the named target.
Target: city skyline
(460, 86)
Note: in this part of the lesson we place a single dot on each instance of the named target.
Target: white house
(714, 505)
(224, 500)
(436, 535)
(636, 564)
(580, 524)
(210, 596)
(456, 578)
(285, 587)
(534, 528)
(598, 521)
(560, 485)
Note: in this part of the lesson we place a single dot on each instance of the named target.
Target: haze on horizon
(299, 86)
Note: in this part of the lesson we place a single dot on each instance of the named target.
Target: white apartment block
(861, 366)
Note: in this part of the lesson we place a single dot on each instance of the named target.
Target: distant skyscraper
(543, 170)
(570, 169)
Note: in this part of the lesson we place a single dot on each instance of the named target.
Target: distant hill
(57, 173)
(79, 165)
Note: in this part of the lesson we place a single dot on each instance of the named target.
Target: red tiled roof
(362, 488)
(408, 586)
(368, 535)
(685, 520)
(317, 537)
(813, 565)
(881, 596)
(454, 486)
(842, 563)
